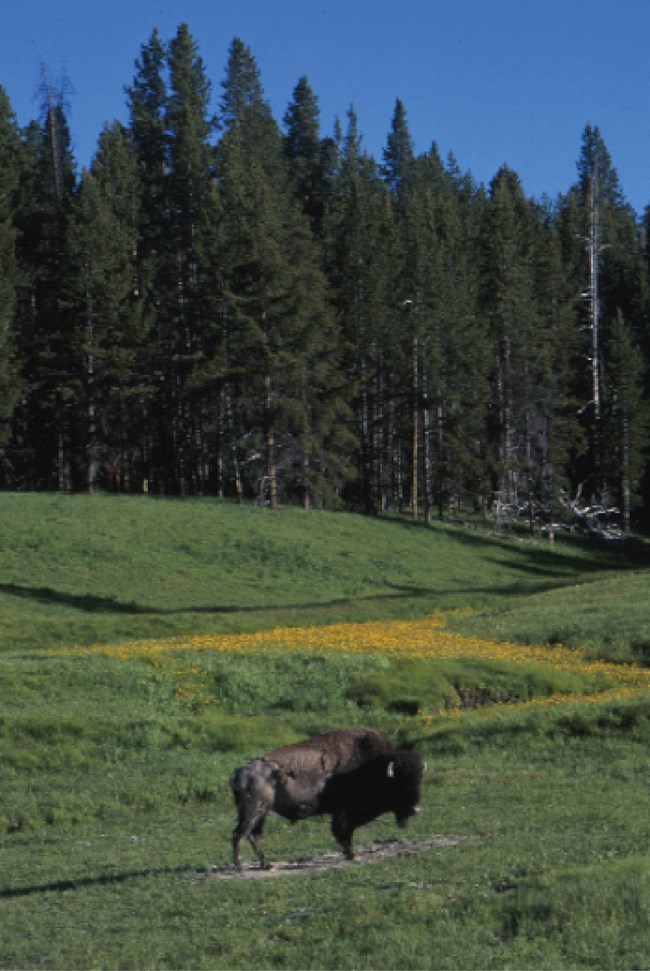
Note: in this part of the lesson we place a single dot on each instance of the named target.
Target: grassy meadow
(148, 647)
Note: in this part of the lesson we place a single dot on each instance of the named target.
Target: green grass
(546, 867)
(610, 617)
(419, 685)
(86, 569)
(114, 797)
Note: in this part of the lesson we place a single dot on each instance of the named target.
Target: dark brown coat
(331, 752)
(292, 781)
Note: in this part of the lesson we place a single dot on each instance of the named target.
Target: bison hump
(336, 751)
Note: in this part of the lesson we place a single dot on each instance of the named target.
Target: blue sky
(493, 81)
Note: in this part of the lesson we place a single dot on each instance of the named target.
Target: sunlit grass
(99, 569)
(608, 617)
(428, 638)
(150, 647)
(408, 641)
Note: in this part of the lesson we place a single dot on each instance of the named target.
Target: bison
(352, 775)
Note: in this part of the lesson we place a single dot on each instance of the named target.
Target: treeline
(229, 306)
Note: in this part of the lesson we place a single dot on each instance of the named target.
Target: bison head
(405, 769)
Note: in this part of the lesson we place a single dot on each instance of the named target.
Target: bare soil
(322, 862)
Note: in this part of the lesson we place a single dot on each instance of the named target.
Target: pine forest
(231, 305)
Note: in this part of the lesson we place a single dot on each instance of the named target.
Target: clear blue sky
(493, 81)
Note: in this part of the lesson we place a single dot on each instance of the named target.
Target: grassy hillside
(147, 647)
(91, 569)
(609, 616)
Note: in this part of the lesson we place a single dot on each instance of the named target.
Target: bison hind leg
(255, 840)
(342, 832)
(249, 827)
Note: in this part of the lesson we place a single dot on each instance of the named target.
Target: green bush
(433, 686)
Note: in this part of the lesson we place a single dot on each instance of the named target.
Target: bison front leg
(342, 832)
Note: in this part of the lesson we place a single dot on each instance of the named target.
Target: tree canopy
(223, 304)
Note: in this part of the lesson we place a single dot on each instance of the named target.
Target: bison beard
(352, 775)
(388, 783)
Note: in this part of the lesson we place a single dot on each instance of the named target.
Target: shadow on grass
(583, 554)
(91, 604)
(58, 886)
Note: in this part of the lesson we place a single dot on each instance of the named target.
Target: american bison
(353, 775)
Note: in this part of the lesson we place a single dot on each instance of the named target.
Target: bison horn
(390, 771)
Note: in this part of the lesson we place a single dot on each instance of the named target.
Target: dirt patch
(323, 862)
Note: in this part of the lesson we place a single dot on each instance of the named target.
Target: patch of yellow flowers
(426, 639)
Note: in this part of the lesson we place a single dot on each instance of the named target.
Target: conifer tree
(312, 413)
(248, 173)
(190, 272)
(243, 104)
(9, 179)
(519, 360)
(399, 159)
(102, 301)
(307, 155)
(456, 358)
(360, 264)
(147, 103)
(44, 341)
(410, 273)
(561, 436)
(626, 417)
(171, 125)
(279, 315)
(611, 271)
(275, 299)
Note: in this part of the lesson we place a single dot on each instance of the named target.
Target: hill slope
(115, 809)
(91, 569)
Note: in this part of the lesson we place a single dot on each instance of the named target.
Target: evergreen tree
(626, 431)
(410, 273)
(456, 362)
(171, 125)
(45, 436)
(243, 104)
(191, 252)
(307, 155)
(248, 173)
(312, 416)
(147, 101)
(520, 355)
(102, 302)
(611, 274)
(562, 437)
(360, 264)
(9, 180)
(275, 298)
(440, 346)
(399, 159)
(278, 315)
